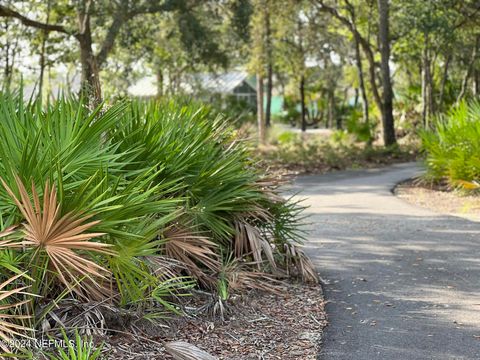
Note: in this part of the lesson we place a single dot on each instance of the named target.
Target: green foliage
(66, 145)
(241, 12)
(341, 150)
(136, 203)
(236, 111)
(452, 148)
(291, 115)
(287, 137)
(355, 125)
(79, 349)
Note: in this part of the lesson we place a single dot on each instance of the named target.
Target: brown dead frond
(11, 315)
(90, 318)
(300, 262)
(249, 240)
(240, 277)
(181, 350)
(59, 236)
(165, 268)
(268, 186)
(195, 251)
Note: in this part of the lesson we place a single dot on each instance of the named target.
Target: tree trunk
(13, 54)
(358, 61)
(90, 81)
(331, 108)
(159, 83)
(10, 55)
(42, 64)
(90, 84)
(6, 69)
(338, 117)
(476, 82)
(444, 81)
(302, 103)
(424, 94)
(361, 81)
(427, 83)
(468, 73)
(425, 69)
(366, 46)
(268, 109)
(430, 96)
(268, 41)
(387, 113)
(260, 117)
(42, 52)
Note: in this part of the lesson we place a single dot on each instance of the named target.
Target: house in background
(237, 84)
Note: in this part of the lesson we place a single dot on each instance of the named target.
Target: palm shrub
(123, 203)
(228, 206)
(452, 147)
(73, 217)
(79, 349)
(92, 196)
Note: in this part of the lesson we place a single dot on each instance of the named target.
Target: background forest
(347, 64)
(142, 143)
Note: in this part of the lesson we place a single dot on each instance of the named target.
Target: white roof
(222, 83)
(216, 83)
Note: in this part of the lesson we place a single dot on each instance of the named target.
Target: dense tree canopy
(329, 59)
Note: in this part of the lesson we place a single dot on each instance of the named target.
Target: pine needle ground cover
(117, 215)
(289, 154)
(440, 200)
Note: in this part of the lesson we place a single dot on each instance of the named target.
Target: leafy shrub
(287, 137)
(133, 204)
(223, 191)
(339, 151)
(291, 114)
(452, 147)
(79, 349)
(340, 138)
(236, 111)
(356, 126)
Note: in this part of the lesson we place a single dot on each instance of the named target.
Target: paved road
(401, 282)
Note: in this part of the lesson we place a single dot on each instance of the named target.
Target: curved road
(401, 282)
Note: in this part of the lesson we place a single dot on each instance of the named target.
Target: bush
(355, 125)
(79, 349)
(237, 111)
(134, 204)
(452, 147)
(292, 152)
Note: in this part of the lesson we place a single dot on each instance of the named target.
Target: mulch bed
(440, 198)
(259, 325)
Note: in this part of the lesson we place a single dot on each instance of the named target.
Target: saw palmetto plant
(452, 148)
(135, 204)
(80, 349)
(226, 200)
(14, 317)
(60, 237)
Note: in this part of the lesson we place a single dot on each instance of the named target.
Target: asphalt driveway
(401, 282)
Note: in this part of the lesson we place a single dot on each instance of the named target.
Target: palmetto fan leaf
(181, 350)
(10, 316)
(60, 237)
(249, 240)
(194, 251)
